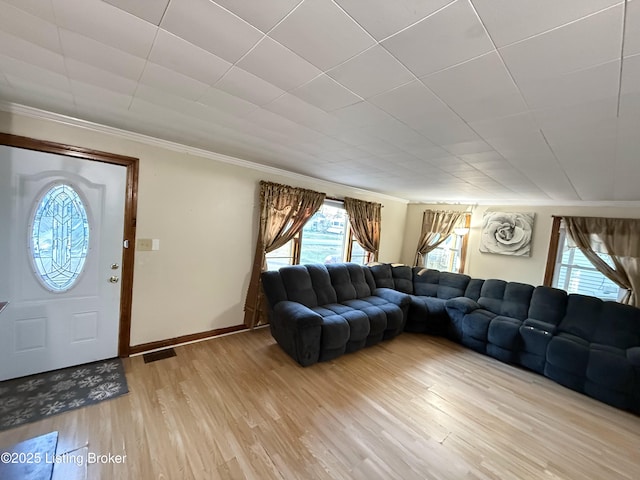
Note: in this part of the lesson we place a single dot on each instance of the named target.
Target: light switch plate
(145, 244)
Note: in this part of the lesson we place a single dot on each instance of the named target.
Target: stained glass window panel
(60, 238)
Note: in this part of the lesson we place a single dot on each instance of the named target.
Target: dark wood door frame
(131, 206)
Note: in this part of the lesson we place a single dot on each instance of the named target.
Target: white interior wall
(205, 214)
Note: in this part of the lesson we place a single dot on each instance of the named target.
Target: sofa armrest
(393, 296)
(296, 315)
(633, 355)
(462, 304)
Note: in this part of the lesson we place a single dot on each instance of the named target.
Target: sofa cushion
(476, 324)
(619, 326)
(402, 278)
(434, 283)
(382, 275)
(273, 288)
(474, 288)
(341, 281)
(322, 284)
(582, 316)
(358, 280)
(492, 295)
(505, 332)
(609, 367)
(570, 353)
(298, 285)
(548, 304)
(425, 281)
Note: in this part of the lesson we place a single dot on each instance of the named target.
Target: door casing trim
(130, 213)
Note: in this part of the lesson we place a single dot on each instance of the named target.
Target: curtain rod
(336, 199)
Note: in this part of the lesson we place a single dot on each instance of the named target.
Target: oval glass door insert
(59, 238)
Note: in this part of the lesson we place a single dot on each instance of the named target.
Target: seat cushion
(505, 332)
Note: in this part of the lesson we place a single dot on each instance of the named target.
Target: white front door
(61, 234)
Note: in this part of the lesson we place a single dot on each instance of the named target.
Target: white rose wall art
(507, 233)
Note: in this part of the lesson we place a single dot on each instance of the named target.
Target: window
(447, 256)
(59, 238)
(450, 255)
(573, 272)
(326, 238)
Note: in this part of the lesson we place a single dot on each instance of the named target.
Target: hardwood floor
(416, 407)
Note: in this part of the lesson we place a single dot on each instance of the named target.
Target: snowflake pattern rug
(28, 399)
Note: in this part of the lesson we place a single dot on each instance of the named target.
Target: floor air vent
(159, 355)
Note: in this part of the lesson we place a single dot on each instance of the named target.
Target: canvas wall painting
(507, 233)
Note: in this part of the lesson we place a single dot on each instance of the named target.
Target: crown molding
(37, 113)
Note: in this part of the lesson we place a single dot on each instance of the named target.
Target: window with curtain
(446, 257)
(574, 272)
(325, 238)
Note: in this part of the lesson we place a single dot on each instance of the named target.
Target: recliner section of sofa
(319, 312)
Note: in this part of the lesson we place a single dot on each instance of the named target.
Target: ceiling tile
(262, 15)
(249, 87)
(478, 89)
(34, 29)
(409, 101)
(91, 75)
(211, 27)
(371, 72)
(632, 29)
(509, 21)
(173, 82)
(227, 103)
(360, 114)
(17, 69)
(574, 88)
(106, 24)
(39, 8)
(20, 49)
(102, 56)
(505, 126)
(24, 92)
(305, 32)
(325, 93)
(85, 94)
(278, 65)
(149, 10)
(382, 18)
(451, 36)
(179, 55)
(580, 45)
(297, 110)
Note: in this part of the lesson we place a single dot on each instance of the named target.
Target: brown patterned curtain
(364, 219)
(437, 225)
(617, 237)
(283, 212)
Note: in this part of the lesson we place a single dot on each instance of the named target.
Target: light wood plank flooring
(416, 407)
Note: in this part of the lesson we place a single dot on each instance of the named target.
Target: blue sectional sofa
(319, 312)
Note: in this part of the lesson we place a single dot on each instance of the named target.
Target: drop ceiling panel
(450, 36)
(99, 55)
(34, 29)
(510, 21)
(21, 71)
(326, 93)
(263, 15)
(28, 52)
(579, 45)
(89, 95)
(39, 8)
(371, 72)
(478, 89)
(382, 18)
(88, 74)
(172, 82)
(211, 27)
(632, 29)
(106, 24)
(305, 32)
(247, 86)
(227, 103)
(148, 10)
(177, 54)
(278, 65)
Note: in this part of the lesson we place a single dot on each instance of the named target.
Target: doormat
(32, 459)
(29, 399)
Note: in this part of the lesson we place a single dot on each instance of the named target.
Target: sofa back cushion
(619, 326)
(382, 275)
(402, 278)
(548, 305)
(273, 288)
(582, 317)
(358, 280)
(433, 283)
(474, 288)
(491, 295)
(322, 284)
(297, 283)
(516, 301)
(341, 281)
